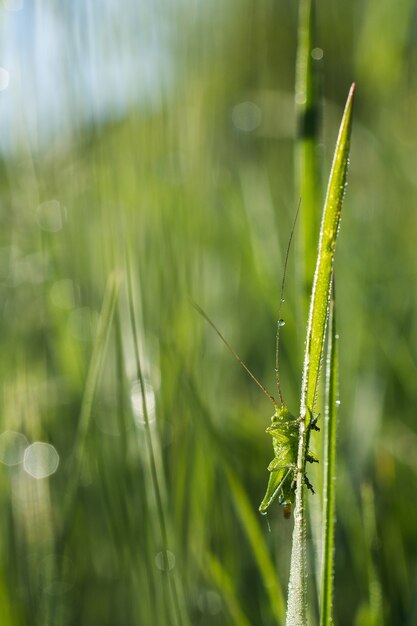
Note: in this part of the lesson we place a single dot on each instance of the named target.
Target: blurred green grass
(202, 192)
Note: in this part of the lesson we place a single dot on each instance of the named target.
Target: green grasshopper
(284, 427)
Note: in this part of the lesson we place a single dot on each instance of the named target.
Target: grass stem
(316, 328)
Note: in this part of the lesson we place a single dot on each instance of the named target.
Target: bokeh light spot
(165, 563)
(138, 404)
(317, 54)
(246, 116)
(40, 459)
(12, 447)
(210, 602)
(50, 216)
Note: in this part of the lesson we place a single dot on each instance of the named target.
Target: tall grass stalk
(307, 166)
(308, 181)
(329, 469)
(248, 519)
(177, 607)
(252, 528)
(223, 581)
(93, 376)
(316, 328)
(375, 615)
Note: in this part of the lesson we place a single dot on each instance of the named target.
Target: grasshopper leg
(311, 458)
(308, 484)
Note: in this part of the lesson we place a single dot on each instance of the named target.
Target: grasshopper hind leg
(306, 480)
(308, 484)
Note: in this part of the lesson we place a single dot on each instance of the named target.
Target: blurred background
(164, 132)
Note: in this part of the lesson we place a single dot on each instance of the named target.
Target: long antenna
(280, 322)
(237, 357)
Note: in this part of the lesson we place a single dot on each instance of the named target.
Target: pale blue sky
(70, 61)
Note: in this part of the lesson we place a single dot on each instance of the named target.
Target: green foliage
(205, 207)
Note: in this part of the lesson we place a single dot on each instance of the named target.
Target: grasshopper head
(281, 417)
(281, 414)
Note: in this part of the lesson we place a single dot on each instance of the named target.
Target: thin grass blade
(327, 244)
(93, 376)
(179, 613)
(319, 304)
(375, 591)
(306, 159)
(253, 532)
(329, 470)
(218, 575)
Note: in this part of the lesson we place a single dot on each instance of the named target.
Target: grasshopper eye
(287, 509)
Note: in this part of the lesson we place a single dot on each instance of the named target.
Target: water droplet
(267, 522)
(337, 402)
(281, 322)
(165, 562)
(40, 459)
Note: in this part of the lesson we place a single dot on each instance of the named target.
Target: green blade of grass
(251, 526)
(307, 170)
(93, 377)
(319, 303)
(375, 611)
(306, 155)
(179, 614)
(329, 470)
(225, 584)
(322, 278)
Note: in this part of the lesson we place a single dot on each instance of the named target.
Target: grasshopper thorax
(282, 416)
